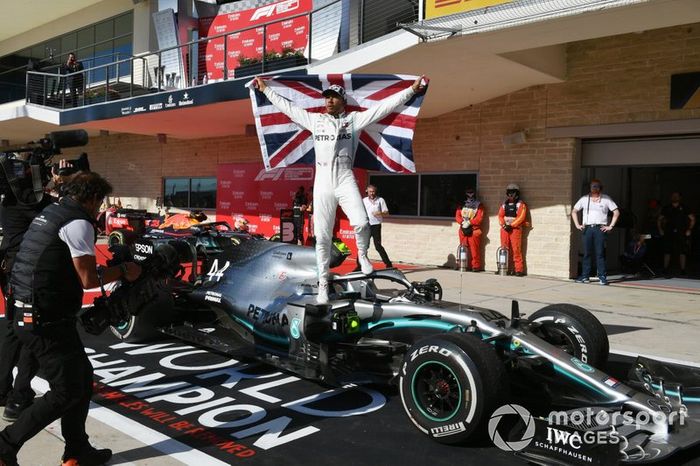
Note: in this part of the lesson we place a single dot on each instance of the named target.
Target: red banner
(282, 36)
(247, 190)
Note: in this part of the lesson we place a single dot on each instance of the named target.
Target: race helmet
(241, 224)
(198, 215)
(513, 188)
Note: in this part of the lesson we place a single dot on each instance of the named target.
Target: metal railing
(99, 84)
(209, 59)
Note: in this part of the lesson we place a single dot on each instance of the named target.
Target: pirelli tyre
(575, 330)
(124, 237)
(143, 327)
(450, 384)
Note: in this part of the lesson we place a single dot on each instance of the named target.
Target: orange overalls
(473, 241)
(513, 214)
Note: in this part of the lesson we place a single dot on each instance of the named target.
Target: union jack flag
(383, 146)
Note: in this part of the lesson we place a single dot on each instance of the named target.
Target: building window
(423, 195)
(190, 193)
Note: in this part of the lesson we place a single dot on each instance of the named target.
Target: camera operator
(56, 261)
(15, 218)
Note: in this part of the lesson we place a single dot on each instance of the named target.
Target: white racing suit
(335, 143)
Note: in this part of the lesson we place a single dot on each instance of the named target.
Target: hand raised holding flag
(420, 84)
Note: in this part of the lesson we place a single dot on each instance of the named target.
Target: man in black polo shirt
(675, 224)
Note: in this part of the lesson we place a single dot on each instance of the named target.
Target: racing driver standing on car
(335, 136)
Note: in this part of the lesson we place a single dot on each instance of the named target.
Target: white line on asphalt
(658, 358)
(152, 438)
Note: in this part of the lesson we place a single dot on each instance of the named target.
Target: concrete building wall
(611, 80)
(92, 14)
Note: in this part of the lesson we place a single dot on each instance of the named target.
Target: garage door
(675, 150)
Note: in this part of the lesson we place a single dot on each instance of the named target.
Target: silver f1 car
(453, 364)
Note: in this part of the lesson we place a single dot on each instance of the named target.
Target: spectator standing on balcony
(75, 81)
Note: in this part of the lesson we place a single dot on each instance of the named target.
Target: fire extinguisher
(502, 260)
(462, 257)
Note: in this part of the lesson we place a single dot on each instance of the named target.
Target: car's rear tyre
(143, 327)
(124, 237)
(450, 384)
(575, 330)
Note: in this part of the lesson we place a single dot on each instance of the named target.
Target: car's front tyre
(450, 384)
(575, 330)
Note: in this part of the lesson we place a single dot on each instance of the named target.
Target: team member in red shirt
(511, 217)
(469, 217)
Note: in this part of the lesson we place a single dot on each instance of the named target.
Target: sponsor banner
(154, 103)
(248, 190)
(436, 8)
(281, 35)
(564, 445)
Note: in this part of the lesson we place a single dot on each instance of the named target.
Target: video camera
(152, 288)
(26, 170)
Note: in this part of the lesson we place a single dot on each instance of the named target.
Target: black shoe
(519, 274)
(91, 457)
(13, 410)
(3, 399)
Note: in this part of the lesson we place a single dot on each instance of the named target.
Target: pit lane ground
(661, 322)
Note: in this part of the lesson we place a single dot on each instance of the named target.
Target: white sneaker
(365, 264)
(322, 296)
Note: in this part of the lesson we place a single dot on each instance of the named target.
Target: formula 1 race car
(453, 364)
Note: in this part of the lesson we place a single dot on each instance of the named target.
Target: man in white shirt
(336, 136)
(595, 207)
(376, 210)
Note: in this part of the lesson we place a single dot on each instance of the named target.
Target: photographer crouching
(56, 261)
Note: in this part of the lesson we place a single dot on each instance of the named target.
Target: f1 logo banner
(280, 34)
(435, 8)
